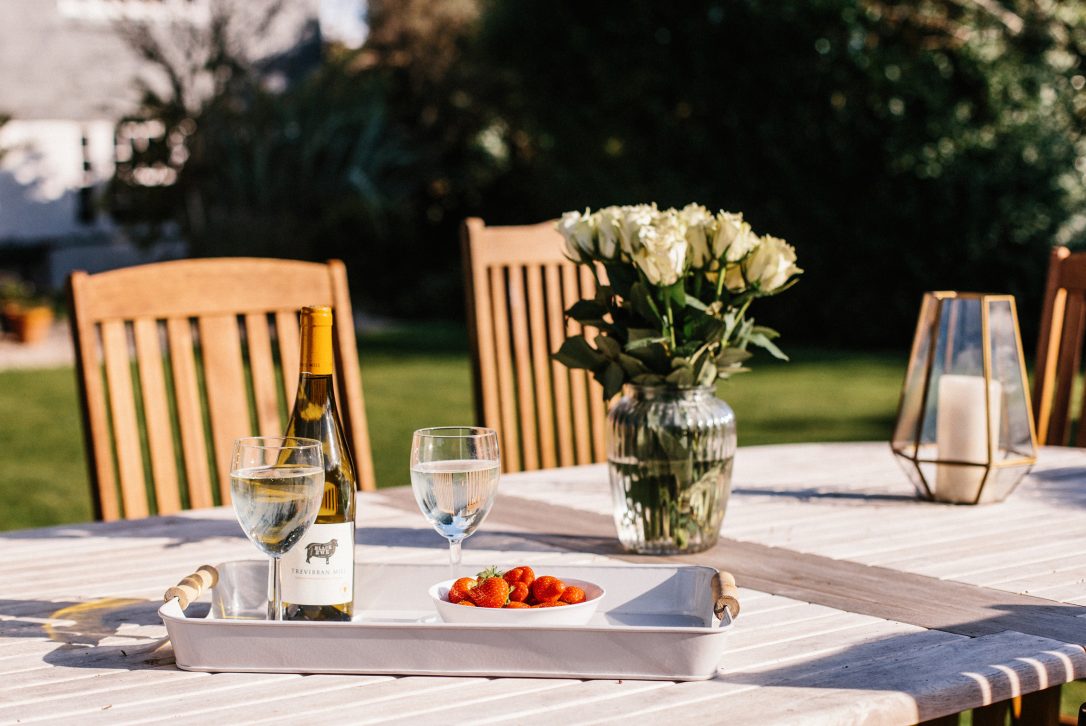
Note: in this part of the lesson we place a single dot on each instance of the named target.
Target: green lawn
(419, 375)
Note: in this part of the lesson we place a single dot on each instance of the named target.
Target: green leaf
(677, 293)
(654, 356)
(732, 356)
(586, 311)
(707, 374)
(702, 327)
(644, 334)
(762, 341)
(611, 378)
(622, 277)
(644, 342)
(577, 353)
(767, 332)
(632, 366)
(693, 302)
(608, 346)
(644, 305)
(682, 376)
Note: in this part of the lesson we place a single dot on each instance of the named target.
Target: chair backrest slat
(1059, 348)
(519, 285)
(499, 301)
(544, 398)
(526, 399)
(156, 416)
(190, 417)
(216, 380)
(262, 367)
(224, 378)
(559, 373)
(578, 382)
(286, 330)
(122, 407)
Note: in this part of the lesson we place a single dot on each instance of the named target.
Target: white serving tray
(655, 622)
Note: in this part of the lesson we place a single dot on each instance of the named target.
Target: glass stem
(454, 557)
(277, 591)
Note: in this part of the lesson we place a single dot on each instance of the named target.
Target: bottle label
(319, 569)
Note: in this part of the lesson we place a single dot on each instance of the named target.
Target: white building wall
(41, 173)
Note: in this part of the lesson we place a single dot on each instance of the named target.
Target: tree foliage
(900, 146)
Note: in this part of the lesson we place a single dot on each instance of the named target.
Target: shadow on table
(177, 530)
(79, 628)
(801, 494)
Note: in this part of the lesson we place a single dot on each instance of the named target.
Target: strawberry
(491, 592)
(572, 595)
(518, 592)
(547, 589)
(550, 604)
(460, 588)
(466, 603)
(521, 573)
(515, 604)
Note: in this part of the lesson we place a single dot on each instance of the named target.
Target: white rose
(631, 219)
(607, 227)
(578, 231)
(771, 264)
(734, 238)
(699, 230)
(662, 256)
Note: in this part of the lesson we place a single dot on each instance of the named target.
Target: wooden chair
(518, 286)
(1059, 348)
(175, 360)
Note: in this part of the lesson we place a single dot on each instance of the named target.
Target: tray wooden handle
(725, 595)
(192, 586)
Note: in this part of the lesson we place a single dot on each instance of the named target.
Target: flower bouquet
(670, 318)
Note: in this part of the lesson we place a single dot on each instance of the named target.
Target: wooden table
(860, 604)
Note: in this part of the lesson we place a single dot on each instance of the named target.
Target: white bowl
(578, 614)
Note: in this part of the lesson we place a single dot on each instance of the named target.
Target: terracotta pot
(31, 325)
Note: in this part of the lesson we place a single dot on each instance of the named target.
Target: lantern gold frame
(912, 441)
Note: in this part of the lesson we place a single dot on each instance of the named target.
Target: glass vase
(669, 455)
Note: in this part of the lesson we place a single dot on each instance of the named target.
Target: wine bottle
(318, 572)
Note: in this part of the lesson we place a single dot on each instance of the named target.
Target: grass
(419, 375)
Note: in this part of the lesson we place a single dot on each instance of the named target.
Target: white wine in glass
(454, 475)
(276, 485)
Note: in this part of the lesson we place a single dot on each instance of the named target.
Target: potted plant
(28, 317)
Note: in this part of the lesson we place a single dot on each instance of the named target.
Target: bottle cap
(321, 315)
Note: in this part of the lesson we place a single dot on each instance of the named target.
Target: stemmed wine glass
(277, 483)
(454, 475)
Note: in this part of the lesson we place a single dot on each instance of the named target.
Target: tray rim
(721, 626)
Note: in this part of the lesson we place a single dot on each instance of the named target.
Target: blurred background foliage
(901, 147)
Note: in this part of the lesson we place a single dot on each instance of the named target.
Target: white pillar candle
(962, 433)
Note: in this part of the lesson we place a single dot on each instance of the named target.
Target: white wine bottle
(318, 572)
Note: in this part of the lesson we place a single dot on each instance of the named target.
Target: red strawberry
(573, 595)
(466, 603)
(515, 604)
(547, 589)
(518, 593)
(460, 588)
(492, 592)
(522, 573)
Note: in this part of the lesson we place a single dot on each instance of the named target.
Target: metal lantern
(964, 431)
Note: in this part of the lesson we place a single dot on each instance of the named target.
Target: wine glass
(454, 475)
(277, 483)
